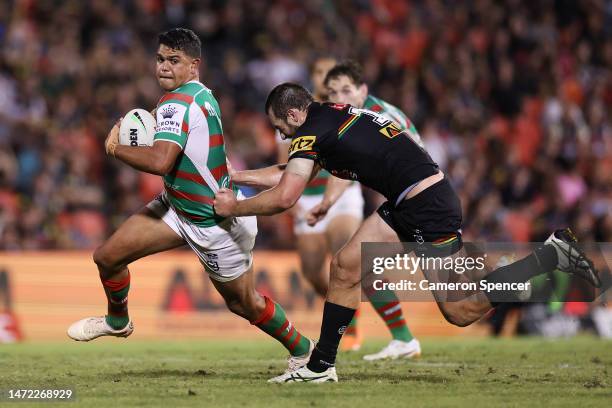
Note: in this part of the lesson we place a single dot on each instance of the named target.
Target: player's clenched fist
(225, 202)
(316, 213)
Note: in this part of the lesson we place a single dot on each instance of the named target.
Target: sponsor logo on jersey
(170, 118)
(209, 108)
(302, 143)
(391, 130)
(168, 112)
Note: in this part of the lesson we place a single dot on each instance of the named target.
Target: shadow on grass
(389, 378)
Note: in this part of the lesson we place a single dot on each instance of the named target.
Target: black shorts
(432, 219)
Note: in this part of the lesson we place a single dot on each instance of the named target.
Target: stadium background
(512, 100)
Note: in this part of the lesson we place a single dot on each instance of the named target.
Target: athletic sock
(117, 298)
(391, 313)
(542, 260)
(351, 330)
(274, 322)
(336, 319)
(387, 305)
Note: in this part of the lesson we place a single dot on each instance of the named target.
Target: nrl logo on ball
(168, 112)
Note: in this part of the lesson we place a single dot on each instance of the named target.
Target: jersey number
(388, 128)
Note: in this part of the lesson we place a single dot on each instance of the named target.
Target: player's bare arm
(265, 178)
(157, 159)
(273, 201)
(333, 190)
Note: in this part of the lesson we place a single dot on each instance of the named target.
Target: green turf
(452, 372)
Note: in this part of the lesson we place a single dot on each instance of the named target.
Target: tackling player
(345, 85)
(315, 242)
(422, 208)
(188, 152)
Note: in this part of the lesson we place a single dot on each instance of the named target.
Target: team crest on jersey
(391, 130)
(302, 143)
(168, 112)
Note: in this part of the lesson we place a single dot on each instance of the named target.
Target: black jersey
(361, 145)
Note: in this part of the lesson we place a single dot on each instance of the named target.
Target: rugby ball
(137, 128)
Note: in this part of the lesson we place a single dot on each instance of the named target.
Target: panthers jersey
(359, 144)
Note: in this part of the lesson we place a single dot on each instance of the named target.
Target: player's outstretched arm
(275, 200)
(333, 190)
(266, 177)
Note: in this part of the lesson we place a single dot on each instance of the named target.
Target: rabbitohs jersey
(392, 113)
(362, 145)
(190, 117)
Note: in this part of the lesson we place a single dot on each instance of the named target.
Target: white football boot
(396, 349)
(93, 327)
(571, 259)
(303, 374)
(295, 362)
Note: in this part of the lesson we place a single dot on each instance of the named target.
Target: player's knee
(104, 259)
(343, 272)
(460, 314)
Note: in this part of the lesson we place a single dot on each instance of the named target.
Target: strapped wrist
(111, 149)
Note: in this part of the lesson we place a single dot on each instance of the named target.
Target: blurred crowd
(512, 99)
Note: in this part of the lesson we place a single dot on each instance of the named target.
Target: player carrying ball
(422, 208)
(188, 152)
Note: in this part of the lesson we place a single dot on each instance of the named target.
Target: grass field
(452, 372)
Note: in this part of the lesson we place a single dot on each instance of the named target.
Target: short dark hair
(348, 68)
(287, 96)
(182, 39)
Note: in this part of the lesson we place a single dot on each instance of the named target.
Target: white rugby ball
(137, 128)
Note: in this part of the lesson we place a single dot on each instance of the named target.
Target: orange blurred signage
(171, 297)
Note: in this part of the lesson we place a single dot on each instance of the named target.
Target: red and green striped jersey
(190, 117)
(393, 113)
(317, 184)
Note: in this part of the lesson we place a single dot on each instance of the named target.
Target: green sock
(389, 309)
(117, 322)
(274, 322)
(116, 296)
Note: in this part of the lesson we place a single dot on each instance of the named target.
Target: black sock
(542, 260)
(336, 319)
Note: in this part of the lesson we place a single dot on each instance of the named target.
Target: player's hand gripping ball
(112, 139)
